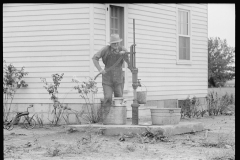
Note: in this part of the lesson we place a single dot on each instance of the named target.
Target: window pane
(183, 22)
(185, 17)
(117, 19)
(185, 29)
(184, 48)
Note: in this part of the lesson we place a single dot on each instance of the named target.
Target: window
(117, 21)
(184, 36)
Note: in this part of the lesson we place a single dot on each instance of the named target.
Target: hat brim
(115, 41)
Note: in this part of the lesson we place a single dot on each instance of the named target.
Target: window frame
(189, 11)
(125, 12)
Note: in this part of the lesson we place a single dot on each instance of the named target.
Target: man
(113, 80)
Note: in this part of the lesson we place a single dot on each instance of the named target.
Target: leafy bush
(85, 90)
(189, 107)
(217, 105)
(58, 108)
(12, 80)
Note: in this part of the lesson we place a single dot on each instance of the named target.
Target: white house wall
(47, 39)
(156, 39)
(61, 38)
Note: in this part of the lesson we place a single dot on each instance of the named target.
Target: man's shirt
(109, 57)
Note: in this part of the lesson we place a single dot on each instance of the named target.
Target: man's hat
(115, 38)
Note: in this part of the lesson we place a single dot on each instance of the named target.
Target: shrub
(58, 108)
(12, 80)
(190, 107)
(85, 90)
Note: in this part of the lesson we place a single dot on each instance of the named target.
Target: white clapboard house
(47, 38)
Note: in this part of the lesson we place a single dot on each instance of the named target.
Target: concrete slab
(128, 129)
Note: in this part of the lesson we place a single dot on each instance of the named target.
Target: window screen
(117, 21)
(183, 29)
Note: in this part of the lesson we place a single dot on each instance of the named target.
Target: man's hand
(122, 52)
(102, 71)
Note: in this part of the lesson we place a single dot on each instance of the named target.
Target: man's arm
(96, 58)
(126, 57)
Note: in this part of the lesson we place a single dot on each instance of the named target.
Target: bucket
(117, 114)
(165, 116)
(142, 96)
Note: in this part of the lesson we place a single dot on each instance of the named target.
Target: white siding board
(177, 92)
(155, 47)
(173, 74)
(68, 74)
(152, 24)
(47, 59)
(22, 4)
(175, 96)
(66, 79)
(99, 37)
(153, 8)
(99, 11)
(199, 30)
(45, 38)
(197, 5)
(164, 7)
(99, 16)
(47, 43)
(46, 100)
(46, 28)
(99, 26)
(149, 28)
(46, 17)
(45, 48)
(200, 22)
(153, 38)
(197, 26)
(150, 33)
(44, 7)
(99, 21)
(45, 22)
(173, 84)
(53, 64)
(138, 10)
(46, 33)
(46, 53)
(56, 69)
(154, 42)
(152, 51)
(47, 12)
(173, 79)
(151, 19)
(100, 42)
(200, 38)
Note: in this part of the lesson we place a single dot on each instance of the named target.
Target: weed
(53, 151)
(223, 155)
(131, 147)
(86, 89)
(12, 80)
(149, 137)
(223, 140)
(190, 107)
(36, 142)
(40, 121)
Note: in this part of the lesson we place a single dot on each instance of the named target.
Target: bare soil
(216, 142)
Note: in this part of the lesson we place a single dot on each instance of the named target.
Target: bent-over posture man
(113, 80)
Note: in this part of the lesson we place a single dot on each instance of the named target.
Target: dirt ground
(216, 142)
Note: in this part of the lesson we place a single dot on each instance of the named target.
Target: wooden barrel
(117, 115)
